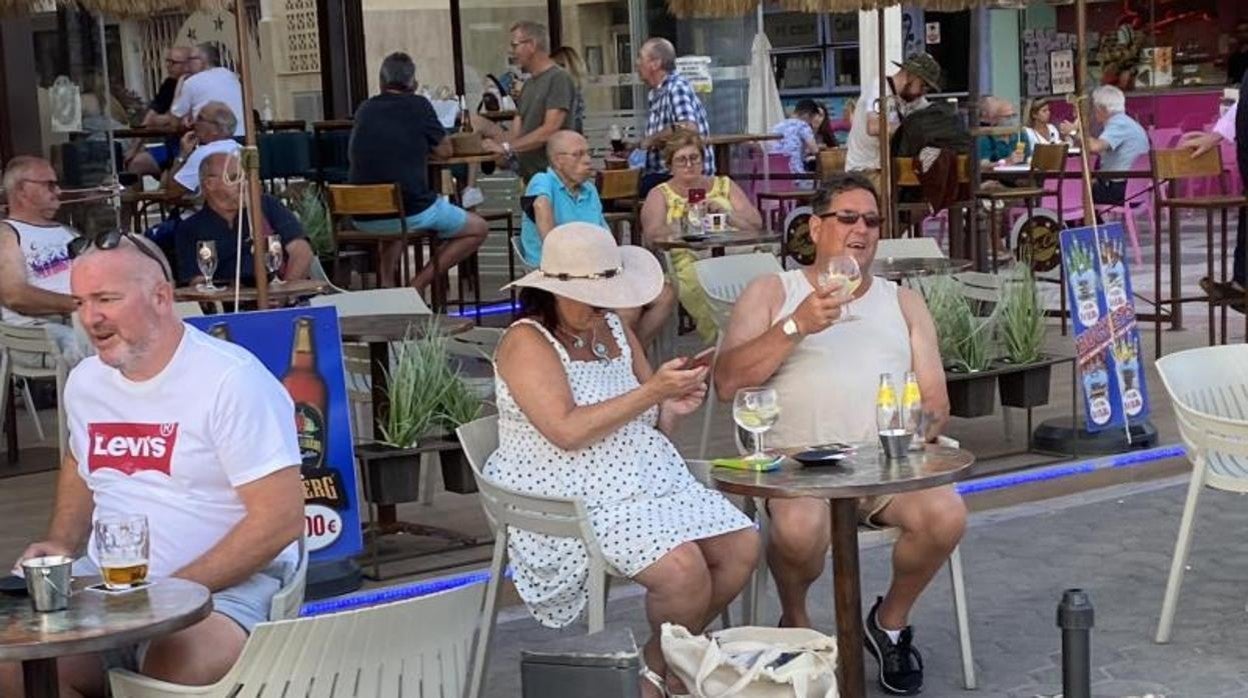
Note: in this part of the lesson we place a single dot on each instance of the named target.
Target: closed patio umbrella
(764, 100)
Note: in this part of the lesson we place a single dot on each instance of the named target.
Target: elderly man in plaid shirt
(673, 105)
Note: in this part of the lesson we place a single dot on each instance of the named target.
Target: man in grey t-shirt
(545, 105)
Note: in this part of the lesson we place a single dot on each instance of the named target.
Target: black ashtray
(829, 454)
(695, 237)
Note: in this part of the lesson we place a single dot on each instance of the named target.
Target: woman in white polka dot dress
(582, 414)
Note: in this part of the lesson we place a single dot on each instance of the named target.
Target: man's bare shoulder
(766, 292)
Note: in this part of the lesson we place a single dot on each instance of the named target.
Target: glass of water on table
(756, 410)
(121, 547)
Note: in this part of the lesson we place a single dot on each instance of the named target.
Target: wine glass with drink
(756, 410)
(273, 256)
(206, 257)
(121, 547)
(842, 270)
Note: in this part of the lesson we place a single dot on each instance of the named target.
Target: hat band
(607, 274)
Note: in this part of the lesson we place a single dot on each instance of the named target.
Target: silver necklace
(597, 348)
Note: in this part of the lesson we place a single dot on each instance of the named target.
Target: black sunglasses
(871, 220)
(109, 240)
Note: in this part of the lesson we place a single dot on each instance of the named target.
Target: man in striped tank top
(784, 333)
(34, 258)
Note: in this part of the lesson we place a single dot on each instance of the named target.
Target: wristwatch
(790, 328)
(507, 148)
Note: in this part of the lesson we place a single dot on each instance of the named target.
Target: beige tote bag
(752, 662)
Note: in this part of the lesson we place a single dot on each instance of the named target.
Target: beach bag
(752, 662)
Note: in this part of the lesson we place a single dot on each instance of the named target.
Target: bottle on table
(912, 410)
(465, 119)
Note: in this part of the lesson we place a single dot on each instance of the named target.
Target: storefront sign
(303, 349)
(1107, 340)
(933, 33)
(1062, 71)
(697, 70)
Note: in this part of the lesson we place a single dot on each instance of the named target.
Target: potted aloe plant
(963, 340)
(1021, 325)
(460, 404)
(417, 385)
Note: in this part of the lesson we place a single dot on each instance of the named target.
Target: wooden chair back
(1049, 158)
(1178, 163)
(830, 161)
(365, 200)
(903, 173)
(617, 185)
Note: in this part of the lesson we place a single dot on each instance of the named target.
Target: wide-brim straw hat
(581, 262)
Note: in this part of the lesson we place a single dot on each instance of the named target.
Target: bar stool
(1046, 160)
(1173, 165)
(386, 200)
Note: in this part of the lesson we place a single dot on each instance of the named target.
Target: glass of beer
(121, 547)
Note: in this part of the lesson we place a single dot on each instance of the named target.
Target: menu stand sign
(1107, 338)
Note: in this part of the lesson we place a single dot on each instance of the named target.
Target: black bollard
(1074, 617)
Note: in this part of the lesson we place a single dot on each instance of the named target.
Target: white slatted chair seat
(1208, 390)
(375, 651)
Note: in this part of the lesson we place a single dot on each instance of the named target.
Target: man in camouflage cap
(908, 88)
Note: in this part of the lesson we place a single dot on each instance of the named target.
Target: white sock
(893, 635)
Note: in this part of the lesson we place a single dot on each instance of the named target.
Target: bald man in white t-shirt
(162, 411)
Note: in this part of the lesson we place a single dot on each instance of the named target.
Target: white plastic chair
(385, 650)
(1208, 388)
(918, 248)
(288, 601)
(33, 340)
(506, 509)
(477, 343)
(724, 279)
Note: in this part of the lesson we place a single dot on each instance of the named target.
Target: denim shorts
(442, 216)
(246, 603)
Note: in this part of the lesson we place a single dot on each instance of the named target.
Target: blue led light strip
(987, 484)
(494, 309)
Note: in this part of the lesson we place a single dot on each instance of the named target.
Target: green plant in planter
(460, 403)
(310, 208)
(1020, 317)
(963, 339)
(417, 388)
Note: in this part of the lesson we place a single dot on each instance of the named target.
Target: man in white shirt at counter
(209, 83)
(189, 431)
(908, 88)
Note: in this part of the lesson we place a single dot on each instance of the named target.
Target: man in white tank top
(785, 334)
(34, 258)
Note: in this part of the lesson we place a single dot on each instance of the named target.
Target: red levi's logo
(130, 448)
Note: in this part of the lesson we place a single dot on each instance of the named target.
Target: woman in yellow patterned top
(666, 206)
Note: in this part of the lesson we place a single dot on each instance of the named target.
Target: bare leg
(731, 558)
(197, 656)
(454, 250)
(143, 164)
(389, 264)
(678, 590)
(931, 523)
(80, 676)
(800, 535)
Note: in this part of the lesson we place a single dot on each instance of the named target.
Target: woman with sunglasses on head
(581, 414)
(668, 204)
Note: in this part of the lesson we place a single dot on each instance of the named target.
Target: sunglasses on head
(110, 240)
(871, 220)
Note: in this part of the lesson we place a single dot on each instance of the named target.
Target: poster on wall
(697, 70)
(303, 349)
(1107, 338)
(1062, 71)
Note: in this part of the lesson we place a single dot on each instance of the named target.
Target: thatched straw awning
(736, 8)
(121, 9)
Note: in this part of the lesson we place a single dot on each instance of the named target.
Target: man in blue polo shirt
(218, 221)
(1122, 141)
(564, 193)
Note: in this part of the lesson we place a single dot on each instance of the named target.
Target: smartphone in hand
(702, 358)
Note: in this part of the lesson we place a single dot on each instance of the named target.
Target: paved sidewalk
(1115, 543)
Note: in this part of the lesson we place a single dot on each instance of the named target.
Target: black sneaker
(899, 674)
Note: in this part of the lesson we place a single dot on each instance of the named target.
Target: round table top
(896, 268)
(97, 621)
(720, 239)
(866, 473)
(225, 293)
(396, 327)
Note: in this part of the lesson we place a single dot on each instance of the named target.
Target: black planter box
(971, 394)
(1025, 386)
(457, 474)
(392, 474)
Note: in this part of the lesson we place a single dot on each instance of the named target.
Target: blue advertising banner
(1107, 339)
(302, 347)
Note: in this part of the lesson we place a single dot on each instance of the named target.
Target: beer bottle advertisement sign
(303, 349)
